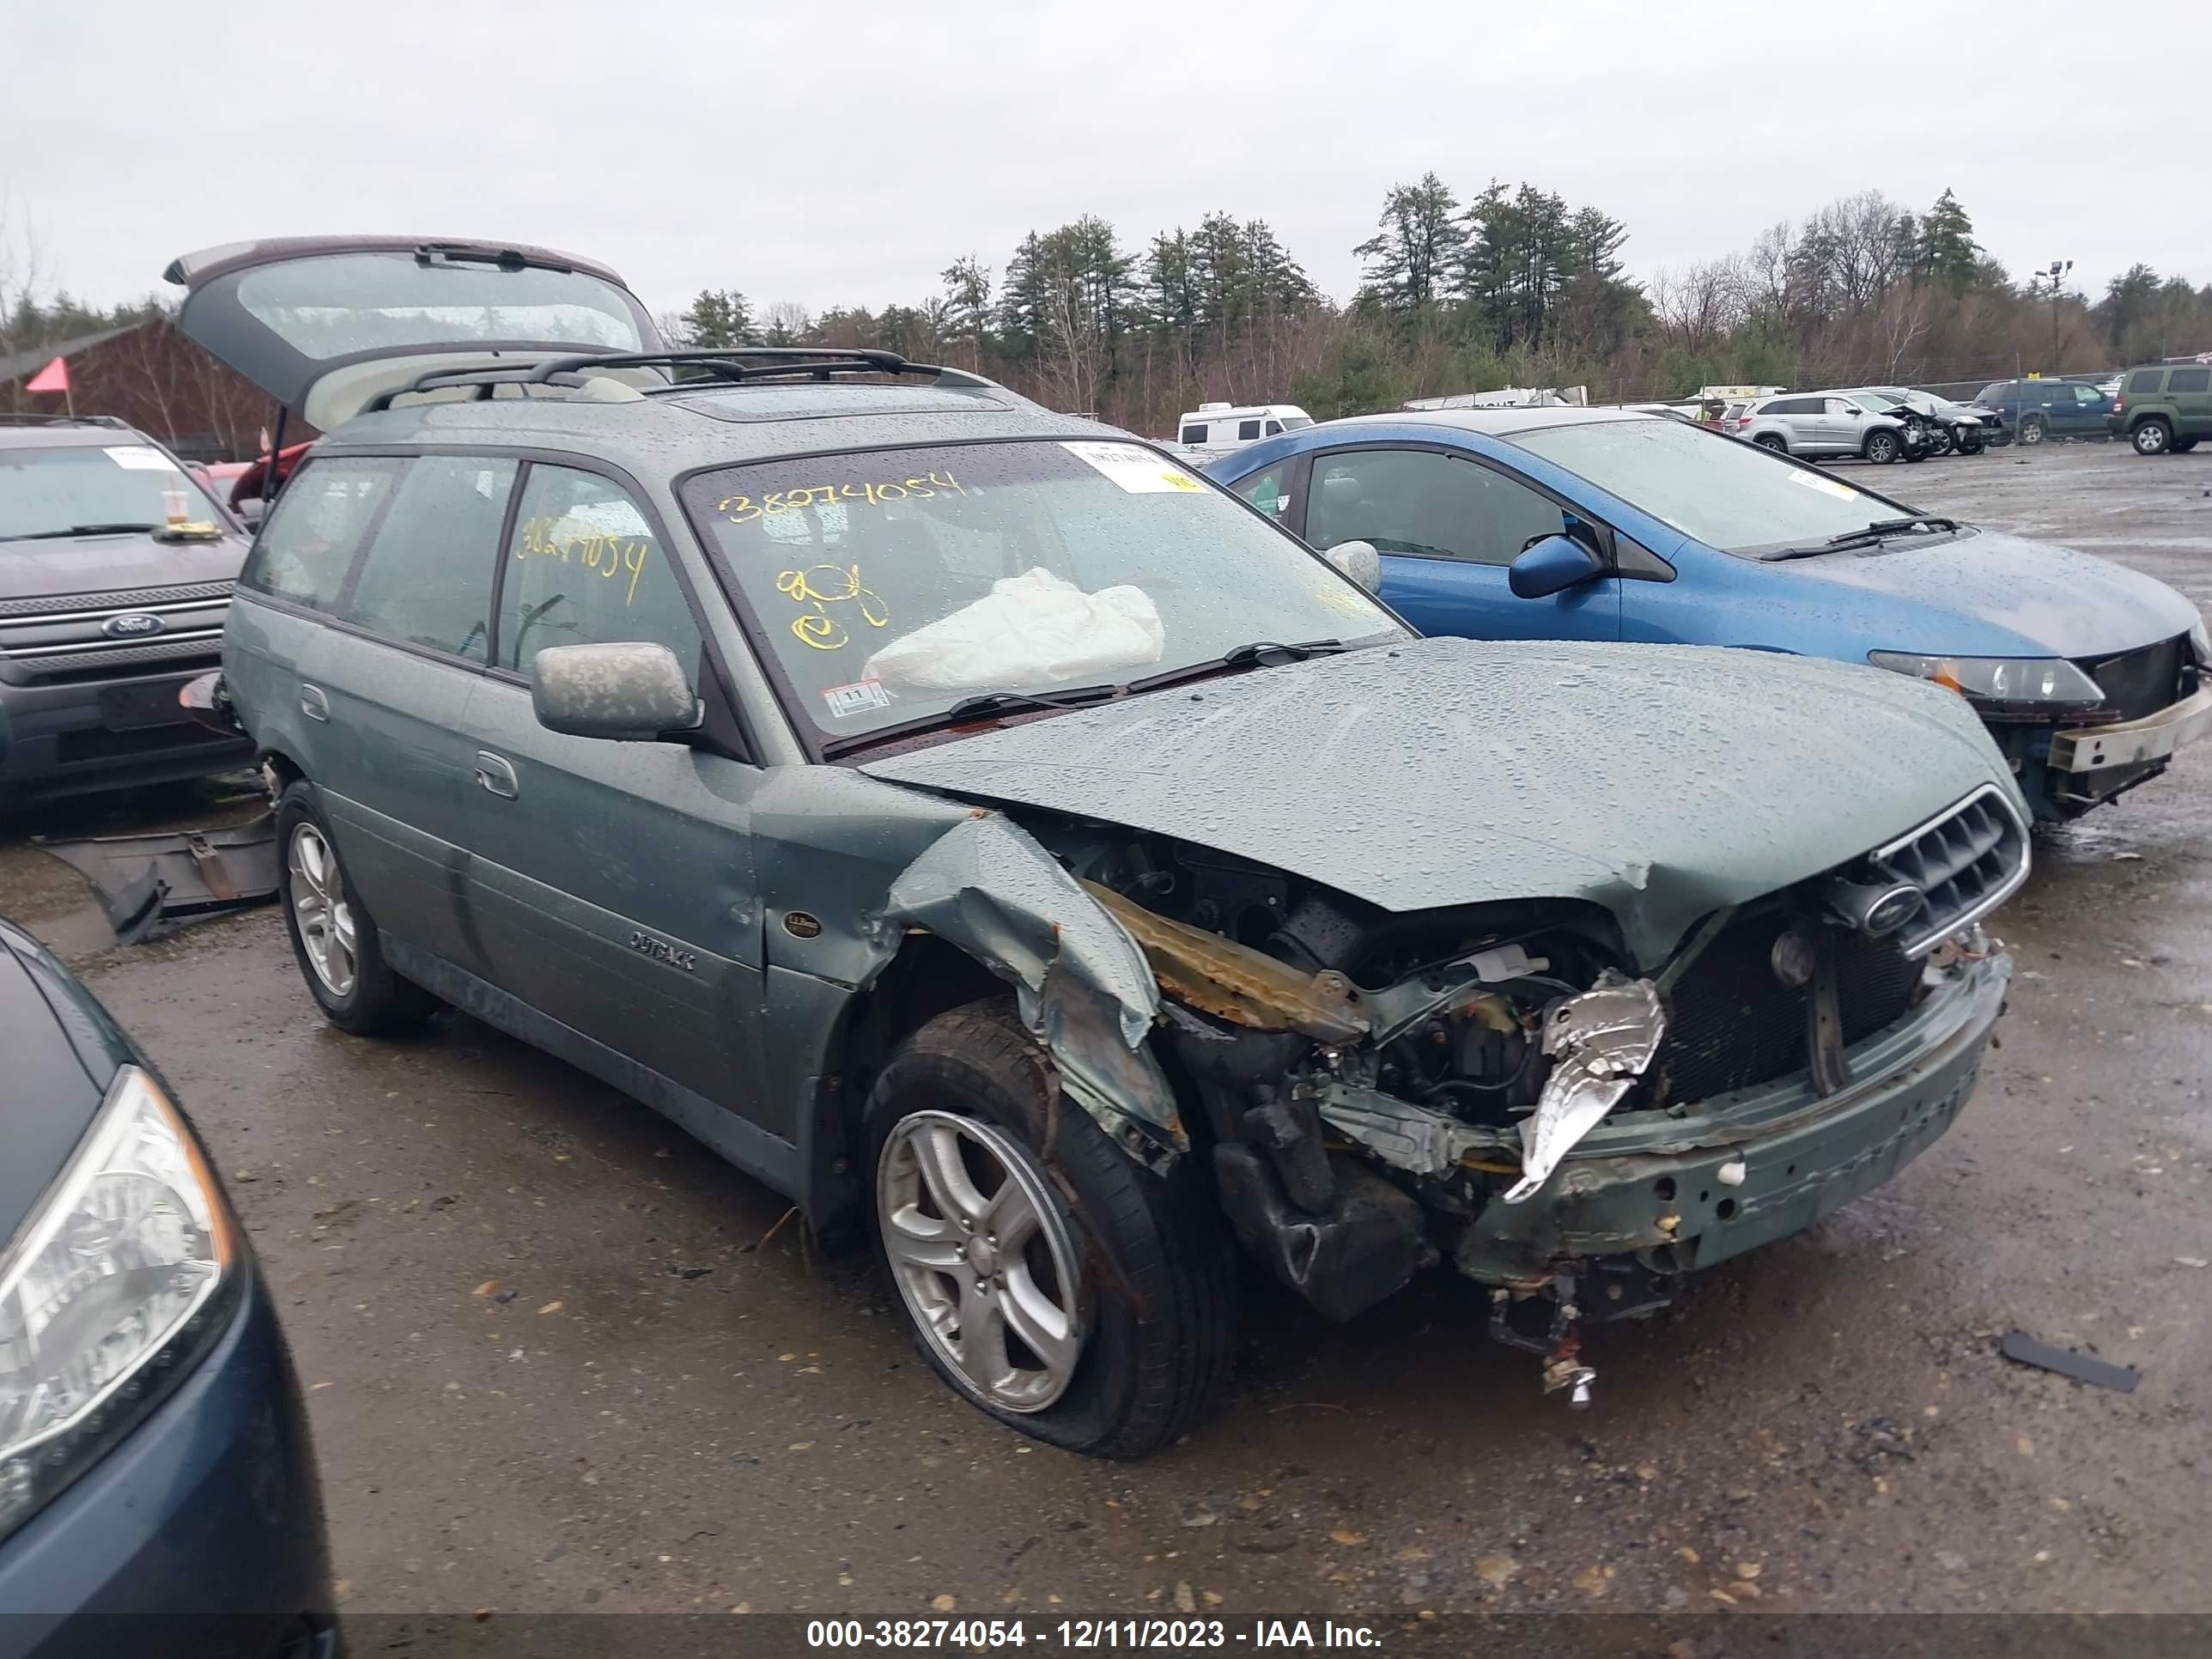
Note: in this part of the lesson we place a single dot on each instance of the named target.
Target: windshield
(1725, 493)
(890, 585)
(48, 492)
(334, 305)
(1292, 422)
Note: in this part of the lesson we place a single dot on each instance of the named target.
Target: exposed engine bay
(1374, 1083)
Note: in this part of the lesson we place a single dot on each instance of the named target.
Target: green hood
(1659, 781)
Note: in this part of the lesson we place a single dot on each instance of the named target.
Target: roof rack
(27, 418)
(731, 365)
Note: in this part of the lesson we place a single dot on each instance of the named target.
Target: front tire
(2032, 429)
(339, 951)
(1881, 447)
(2153, 436)
(1055, 1282)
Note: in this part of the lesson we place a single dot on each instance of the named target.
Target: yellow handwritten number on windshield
(816, 627)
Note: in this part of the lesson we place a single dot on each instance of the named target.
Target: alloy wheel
(982, 1258)
(316, 889)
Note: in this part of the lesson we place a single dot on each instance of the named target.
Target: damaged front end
(1502, 1085)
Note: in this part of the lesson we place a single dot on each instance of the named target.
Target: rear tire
(2153, 436)
(1773, 442)
(339, 951)
(1141, 1261)
(2032, 429)
(1881, 447)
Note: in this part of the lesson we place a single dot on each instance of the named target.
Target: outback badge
(662, 951)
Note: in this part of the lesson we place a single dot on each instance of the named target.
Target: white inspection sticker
(858, 698)
(1821, 482)
(139, 459)
(1137, 472)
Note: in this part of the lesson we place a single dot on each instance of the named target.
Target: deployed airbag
(1032, 629)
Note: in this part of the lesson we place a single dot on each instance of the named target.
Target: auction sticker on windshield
(136, 458)
(1821, 482)
(1139, 472)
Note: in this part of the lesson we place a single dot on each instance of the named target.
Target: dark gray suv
(1004, 841)
(115, 575)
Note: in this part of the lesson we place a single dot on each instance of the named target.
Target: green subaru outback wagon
(1019, 850)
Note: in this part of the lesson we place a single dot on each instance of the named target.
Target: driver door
(1448, 527)
(615, 879)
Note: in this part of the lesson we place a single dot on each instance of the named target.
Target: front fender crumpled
(1082, 986)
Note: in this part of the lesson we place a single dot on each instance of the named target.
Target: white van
(1215, 428)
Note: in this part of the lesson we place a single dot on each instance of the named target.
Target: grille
(2140, 682)
(128, 598)
(1732, 1025)
(1967, 861)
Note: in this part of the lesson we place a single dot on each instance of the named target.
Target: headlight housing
(114, 1286)
(2039, 687)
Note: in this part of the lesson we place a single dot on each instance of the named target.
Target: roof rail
(28, 418)
(736, 364)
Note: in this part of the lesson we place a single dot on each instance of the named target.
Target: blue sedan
(1589, 524)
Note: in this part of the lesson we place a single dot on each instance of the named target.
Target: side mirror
(1550, 566)
(1360, 561)
(631, 692)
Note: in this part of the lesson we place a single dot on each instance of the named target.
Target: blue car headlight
(113, 1286)
(2039, 686)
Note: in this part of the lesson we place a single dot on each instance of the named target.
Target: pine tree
(1418, 242)
(1945, 248)
(719, 317)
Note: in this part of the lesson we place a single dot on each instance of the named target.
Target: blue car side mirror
(1550, 566)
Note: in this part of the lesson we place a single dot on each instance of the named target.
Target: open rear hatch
(325, 323)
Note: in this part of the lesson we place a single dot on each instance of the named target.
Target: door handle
(496, 774)
(314, 704)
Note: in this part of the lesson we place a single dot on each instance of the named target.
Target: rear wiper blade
(1258, 653)
(1873, 532)
(80, 530)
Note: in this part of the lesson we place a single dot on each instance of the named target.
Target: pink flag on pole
(54, 377)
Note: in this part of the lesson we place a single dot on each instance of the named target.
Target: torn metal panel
(148, 886)
(1600, 1042)
(1083, 984)
(1233, 982)
(1418, 1140)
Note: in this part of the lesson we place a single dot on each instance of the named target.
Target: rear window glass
(317, 525)
(2144, 379)
(2188, 380)
(427, 577)
(338, 303)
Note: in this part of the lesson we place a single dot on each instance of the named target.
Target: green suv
(2164, 408)
(1021, 852)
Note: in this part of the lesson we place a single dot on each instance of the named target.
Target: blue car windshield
(1726, 494)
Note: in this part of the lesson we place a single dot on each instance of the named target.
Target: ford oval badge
(132, 625)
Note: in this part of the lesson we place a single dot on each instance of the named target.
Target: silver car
(1825, 423)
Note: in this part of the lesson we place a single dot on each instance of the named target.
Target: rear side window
(1247, 430)
(2188, 380)
(1793, 406)
(316, 527)
(2144, 379)
(1193, 434)
(584, 567)
(426, 578)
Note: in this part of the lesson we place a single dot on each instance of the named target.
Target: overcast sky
(845, 153)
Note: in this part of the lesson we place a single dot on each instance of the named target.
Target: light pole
(2056, 276)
